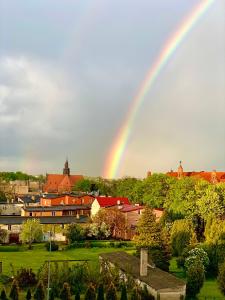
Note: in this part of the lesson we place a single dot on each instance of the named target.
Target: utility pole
(49, 265)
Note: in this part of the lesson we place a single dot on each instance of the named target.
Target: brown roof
(220, 176)
(156, 278)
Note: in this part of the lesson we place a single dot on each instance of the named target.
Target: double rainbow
(116, 152)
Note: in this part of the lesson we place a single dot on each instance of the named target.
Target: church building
(61, 183)
(213, 177)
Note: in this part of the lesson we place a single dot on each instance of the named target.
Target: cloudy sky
(70, 69)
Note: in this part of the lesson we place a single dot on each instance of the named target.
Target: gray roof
(17, 220)
(56, 208)
(156, 278)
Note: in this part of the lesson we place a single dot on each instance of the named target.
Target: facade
(66, 200)
(160, 284)
(213, 177)
(61, 183)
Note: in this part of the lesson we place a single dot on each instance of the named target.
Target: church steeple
(180, 171)
(66, 170)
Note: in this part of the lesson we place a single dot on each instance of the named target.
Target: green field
(21, 257)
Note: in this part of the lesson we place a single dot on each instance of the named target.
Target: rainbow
(117, 150)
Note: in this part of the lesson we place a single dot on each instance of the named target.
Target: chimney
(144, 262)
(118, 202)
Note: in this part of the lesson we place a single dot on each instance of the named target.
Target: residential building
(106, 202)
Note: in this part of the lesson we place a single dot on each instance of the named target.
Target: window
(53, 213)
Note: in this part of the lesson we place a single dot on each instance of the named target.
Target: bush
(216, 254)
(25, 277)
(74, 233)
(195, 278)
(54, 246)
(9, 248)
(197, 254)
(221, 278)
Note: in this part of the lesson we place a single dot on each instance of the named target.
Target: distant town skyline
(69, 72)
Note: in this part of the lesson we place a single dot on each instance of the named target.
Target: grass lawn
(209, 289)
(38, 255)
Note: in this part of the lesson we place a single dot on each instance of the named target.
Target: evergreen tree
(39, 292)
(195, 278)
(148, 230)
(100, 295)
(123, 293)
(111, 292)
(90, 293)
(3, 295)
(28, 295)
(135, 294)
(14, 292)
(77, 295)
(221, 278)
(65, 293)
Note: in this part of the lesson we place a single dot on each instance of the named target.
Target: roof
(56, 207)
(220, 176)
(15, 220)
(131, 207)
(156, 278)
(111, 201)
(30, 198)
(56, 182)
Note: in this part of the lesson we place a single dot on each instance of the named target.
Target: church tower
(180, 171)
(66, 170)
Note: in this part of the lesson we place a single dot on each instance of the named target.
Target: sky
(70, 69)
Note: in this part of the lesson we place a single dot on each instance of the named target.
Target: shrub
(100, 295)
(216, 254)
(39, 292)
(111, 292)
(65, 293)
(25, 277)
(195, 278)
(3, 295)
(28, 295)
(54, 246)
(90, 293)
(74, 233)
(197, 254)
(14, 292)
(221, 278)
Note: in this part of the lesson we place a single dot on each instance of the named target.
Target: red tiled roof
(57, 182)
(220, 176)
(111, 201)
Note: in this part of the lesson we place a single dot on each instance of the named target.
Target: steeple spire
(180, 171)
(66, 170)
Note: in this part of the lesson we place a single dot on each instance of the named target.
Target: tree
(181, 234)
(65, 293)
(125, 187)
(221, 278)
(3, 295)
(77, 295)
(90, 293)
(74, 232)
(31, 231)
(148, 230)
(123, 293)
(3, 235)
(111, 292)
(84, 185)
(113, 218)
(100, 295)
(197, 254)
(14, 292)
(28, 295)
(215, 231)
(195, 278)
(40, 291)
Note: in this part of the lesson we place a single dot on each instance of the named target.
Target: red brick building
(213, 177)
(61, 183)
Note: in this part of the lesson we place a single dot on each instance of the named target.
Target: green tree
(100, 295)
(39, 293)
(123, 293)
(195, 278)
(74, 232)
(215, 231)
(77, 295)
(84, 185)
(31, 231)
(65, 293)
(14, 292)
(3, 295)
(111, 292)
(221, 278)
(28, 295)
(148, 230)
(125, 187)
(90, 293)
(3, 235)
